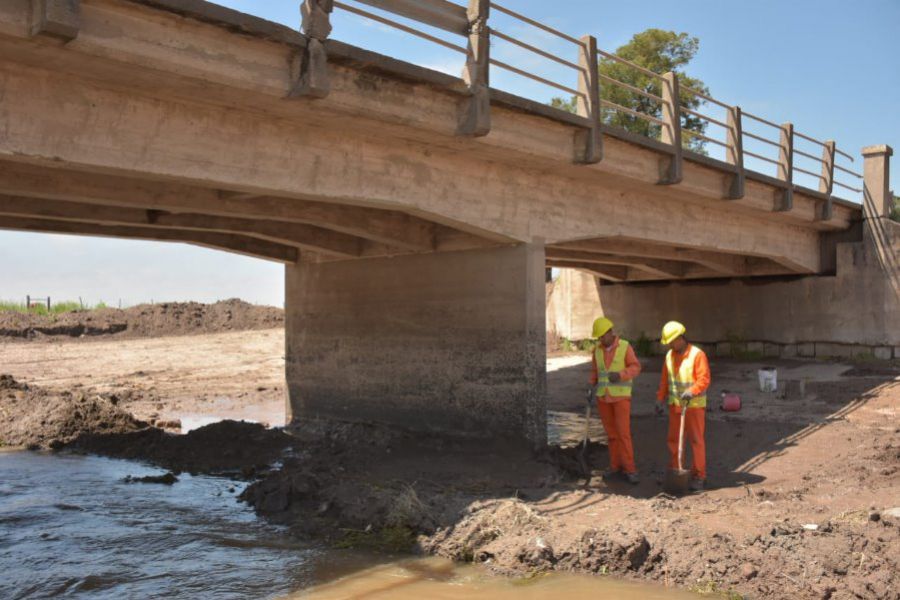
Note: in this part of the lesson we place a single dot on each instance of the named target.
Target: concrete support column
(877, 198)
(449, 342)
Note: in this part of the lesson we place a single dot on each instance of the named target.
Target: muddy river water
(70, 526)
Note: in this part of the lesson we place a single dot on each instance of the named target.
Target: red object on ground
(731, 402)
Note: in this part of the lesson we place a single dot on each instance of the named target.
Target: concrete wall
(854, 312)
(445, 342)
(573, 303)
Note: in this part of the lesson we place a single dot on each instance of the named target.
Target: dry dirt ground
(804, 498)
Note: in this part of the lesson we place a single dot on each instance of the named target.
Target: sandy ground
(234, 375)
(803, 498)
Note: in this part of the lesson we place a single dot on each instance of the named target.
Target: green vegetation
(391, 540)
(895, 212)
(661, 52)
(56, 308)
(713, 588)
(643, 346)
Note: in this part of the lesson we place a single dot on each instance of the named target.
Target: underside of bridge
(415, 256)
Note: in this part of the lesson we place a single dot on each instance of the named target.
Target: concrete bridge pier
(452, 341)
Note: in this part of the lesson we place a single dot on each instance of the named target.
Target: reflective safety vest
(621, 389)
(683, 380)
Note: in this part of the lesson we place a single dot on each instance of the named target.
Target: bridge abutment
(450, 342)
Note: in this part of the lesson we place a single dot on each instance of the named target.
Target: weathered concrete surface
(573, 302)
(445, 342)
(854, 312)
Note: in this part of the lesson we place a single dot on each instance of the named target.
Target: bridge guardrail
(738, 141)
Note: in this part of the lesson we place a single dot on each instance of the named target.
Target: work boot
(633, 478)
(610, 474)
(697, 485)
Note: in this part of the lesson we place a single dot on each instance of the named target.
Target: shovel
(677, 480)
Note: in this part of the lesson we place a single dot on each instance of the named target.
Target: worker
(685, 379)
(614, 368)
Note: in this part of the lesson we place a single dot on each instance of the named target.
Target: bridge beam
(237, 244)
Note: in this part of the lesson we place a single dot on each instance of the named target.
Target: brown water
(71, 527)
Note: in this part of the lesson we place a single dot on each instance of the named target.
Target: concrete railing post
(877, 198)
(826, 183)
(57, 18)
(786, 166)
(475, 119)
(589, 142)
(734, 154)
(311, 65)
(671, 128)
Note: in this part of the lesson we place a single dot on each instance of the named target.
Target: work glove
(591, 394)
(659, 409)
(615, 377)
(686, 397)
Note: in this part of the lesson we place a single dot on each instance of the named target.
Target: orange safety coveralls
(615, 411)
(694, 420)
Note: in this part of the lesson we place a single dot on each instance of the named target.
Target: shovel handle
(681, 438)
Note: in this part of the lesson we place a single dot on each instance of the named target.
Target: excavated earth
(803, 498)
(144, 320)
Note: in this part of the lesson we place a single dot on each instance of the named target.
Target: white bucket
(768, 379)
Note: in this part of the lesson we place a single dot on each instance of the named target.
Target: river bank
(800, 503)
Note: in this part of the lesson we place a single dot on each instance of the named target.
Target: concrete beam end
(879, 150)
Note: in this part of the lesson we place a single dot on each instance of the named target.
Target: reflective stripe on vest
(683, 380)
(622, 389)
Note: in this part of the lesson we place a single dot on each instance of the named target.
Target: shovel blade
(677, 481)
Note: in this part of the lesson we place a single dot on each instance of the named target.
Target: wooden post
(589, 142)
(57, 18)
(735, 152)
(786, 166)
(877, 198)
(27, 303)
(475, 116)
(310, 67)
(826, 183)
(671, 130)
(48, 303)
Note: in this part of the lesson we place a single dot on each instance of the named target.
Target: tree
(660, 52)
(895, 213)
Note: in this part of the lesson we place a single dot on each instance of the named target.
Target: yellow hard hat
(671, 331)
(601, 326)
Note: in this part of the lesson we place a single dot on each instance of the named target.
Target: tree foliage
(895, 213)
(658, 51)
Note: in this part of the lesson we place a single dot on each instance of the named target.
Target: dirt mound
(228, 447)
(38, 418)
(144, 320)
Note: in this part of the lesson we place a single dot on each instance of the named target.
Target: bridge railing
(747, 142)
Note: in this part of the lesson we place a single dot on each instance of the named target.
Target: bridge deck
(172, 120)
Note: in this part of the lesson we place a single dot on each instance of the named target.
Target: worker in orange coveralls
(614, 368)
(685, 379)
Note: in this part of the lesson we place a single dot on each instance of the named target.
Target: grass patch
(390, 540)
(56, 308)
(713, 588)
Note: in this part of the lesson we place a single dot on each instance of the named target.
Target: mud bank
(519, 513)
(144, 320)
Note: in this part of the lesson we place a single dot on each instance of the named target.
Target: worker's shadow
(737, 444)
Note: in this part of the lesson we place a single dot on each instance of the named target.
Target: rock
(166, 479)
(636, 555)
(275, 501)
(749, 571)
(874, 516)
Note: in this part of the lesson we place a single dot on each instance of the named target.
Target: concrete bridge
(415, 212)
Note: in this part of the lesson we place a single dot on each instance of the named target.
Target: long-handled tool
(677, 480)
(582, 458)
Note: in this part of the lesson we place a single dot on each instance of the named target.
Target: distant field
(41, 309)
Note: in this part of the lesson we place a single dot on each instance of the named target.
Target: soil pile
(38, 418)
(233, 448)
(144, 320)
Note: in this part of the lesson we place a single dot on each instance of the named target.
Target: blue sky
(827, 66)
